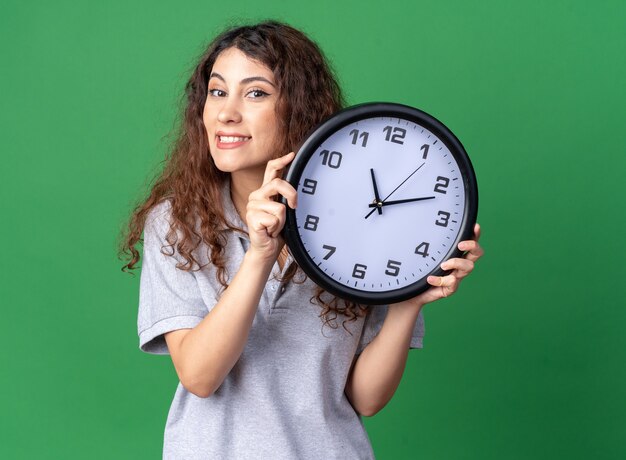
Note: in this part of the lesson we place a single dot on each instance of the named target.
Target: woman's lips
(231, 141)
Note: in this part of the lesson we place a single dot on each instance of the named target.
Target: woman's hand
(444, 286)
(265, 216)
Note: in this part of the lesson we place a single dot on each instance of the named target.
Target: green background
(527, 360)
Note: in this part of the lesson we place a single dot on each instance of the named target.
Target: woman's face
(240, 114)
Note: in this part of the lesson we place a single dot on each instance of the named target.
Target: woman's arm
(204, 355)
(377, 371)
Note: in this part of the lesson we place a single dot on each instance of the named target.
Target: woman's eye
(217, 92)
(256, 93)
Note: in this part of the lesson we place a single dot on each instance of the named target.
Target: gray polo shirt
(284, 399)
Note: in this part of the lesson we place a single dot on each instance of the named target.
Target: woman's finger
(462, 267)
(276, 187)
(472, 249)
(272, 188)
(448, 284)
(270, 207)
(477, 231)
(260, 221)
(274, 168)
(256, 208)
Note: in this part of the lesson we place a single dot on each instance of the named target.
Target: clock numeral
(331, 159)
(331, 250)
(442, 184)
(425, 148)
(359, 271)
(309, 186)
(397, 136)
(355, 136)
(422, 249)
(393, 268)
(311, 222)
(445, 216)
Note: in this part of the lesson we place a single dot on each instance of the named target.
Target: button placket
(272, 287)
(276, 288)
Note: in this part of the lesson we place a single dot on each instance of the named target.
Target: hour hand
(408, 200)
(377, 202)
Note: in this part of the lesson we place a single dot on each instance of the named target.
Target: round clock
(385, 194)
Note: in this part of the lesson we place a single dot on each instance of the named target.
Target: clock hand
(408, 200)
(377, 203)
(394, 190)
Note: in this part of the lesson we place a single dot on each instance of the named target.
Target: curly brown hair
(190, 181)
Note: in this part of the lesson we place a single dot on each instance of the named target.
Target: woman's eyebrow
(245, 80)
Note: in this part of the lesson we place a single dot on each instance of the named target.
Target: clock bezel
(310, 146)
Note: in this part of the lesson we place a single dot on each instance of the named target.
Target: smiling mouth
(232, 139)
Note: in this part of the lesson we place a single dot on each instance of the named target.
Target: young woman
(269, 365)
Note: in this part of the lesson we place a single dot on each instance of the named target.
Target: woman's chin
(239, 168)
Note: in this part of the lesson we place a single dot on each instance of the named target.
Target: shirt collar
(233, 219)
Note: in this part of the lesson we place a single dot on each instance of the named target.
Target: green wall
(526, 361)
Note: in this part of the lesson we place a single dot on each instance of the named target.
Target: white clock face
(381, 203)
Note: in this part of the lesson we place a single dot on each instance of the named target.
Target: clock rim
(322, 132)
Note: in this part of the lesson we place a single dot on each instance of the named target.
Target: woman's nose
(230, 111)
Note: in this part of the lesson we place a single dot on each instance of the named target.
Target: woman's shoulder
(160, 211)
(158, 219)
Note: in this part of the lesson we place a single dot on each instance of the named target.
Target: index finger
(275, 167)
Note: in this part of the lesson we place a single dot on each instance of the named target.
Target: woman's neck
(241, 186)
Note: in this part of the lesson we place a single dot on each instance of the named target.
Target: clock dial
(382, 202)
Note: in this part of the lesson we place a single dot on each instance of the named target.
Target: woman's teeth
(230, 139)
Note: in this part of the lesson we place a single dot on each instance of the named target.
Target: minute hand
(408, 200)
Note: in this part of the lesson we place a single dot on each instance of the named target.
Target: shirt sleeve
(374, 322)
(169, 298)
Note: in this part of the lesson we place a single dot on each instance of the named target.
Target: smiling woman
(261, 375)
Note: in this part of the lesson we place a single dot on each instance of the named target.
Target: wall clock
(385, 194)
